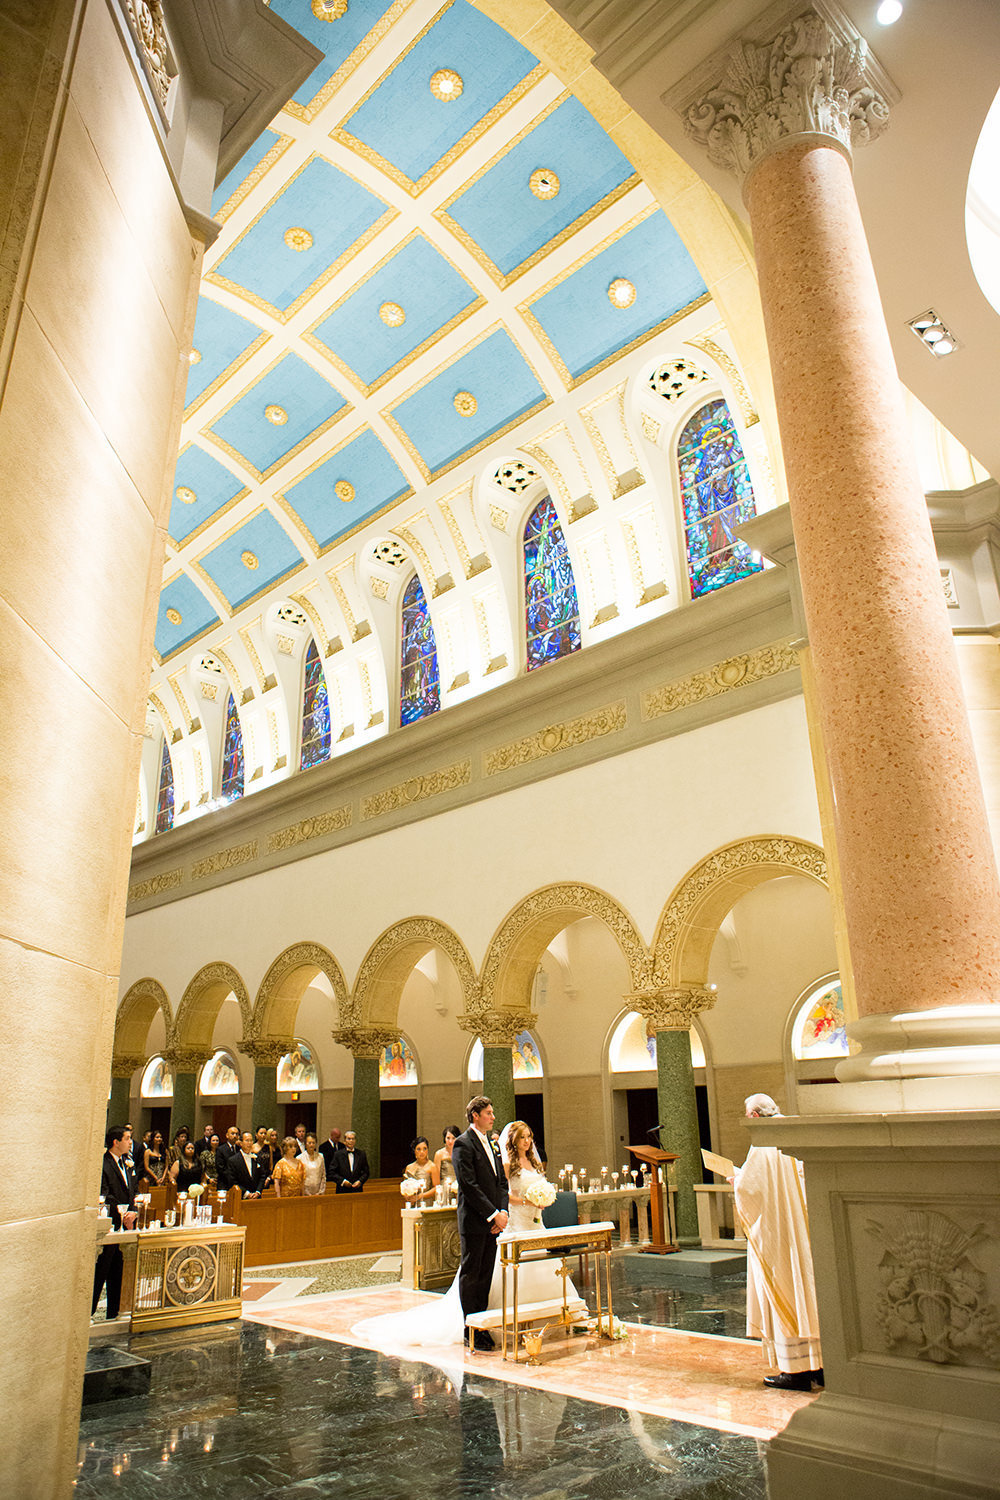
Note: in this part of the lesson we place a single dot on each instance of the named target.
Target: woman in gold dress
(442, 1157)
(289, 1174)
(422, 1168)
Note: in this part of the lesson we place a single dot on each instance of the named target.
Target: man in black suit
(118, 1192)
(329, 1149)
(350, 1166)
(223, 1158)
(245, 1171)
(482, 1208)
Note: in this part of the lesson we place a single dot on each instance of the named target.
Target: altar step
(686, 1265)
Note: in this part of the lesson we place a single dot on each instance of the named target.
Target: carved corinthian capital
(124, 1064)
(814, 79)
(497, 1028)
(672, 1009)
(365, 1041)
(185, 1059)
(265, 1052)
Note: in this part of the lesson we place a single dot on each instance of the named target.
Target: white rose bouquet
(411, 1187)
(195, 1190)
(540, 1194)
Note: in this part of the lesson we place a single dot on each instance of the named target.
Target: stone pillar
(366, 1044)
(265, 1054)
(920, 884)
(122, 1069)
(184, 1064)
(669, 1015)
(496, 1031)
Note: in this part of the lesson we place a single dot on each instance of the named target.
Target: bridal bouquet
(540, 1194)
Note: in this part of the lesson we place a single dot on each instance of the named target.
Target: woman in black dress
(187, 1169)
(154, 1165)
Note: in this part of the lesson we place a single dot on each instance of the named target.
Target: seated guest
(442, 1157)
(422, 1168)
(207, 1157)
(329, 1149)
(289, 1174)
(245, 1171)
(187, 1168)
(315, 1169)
(154, 1164)
(350, 1166)
(118, 1192)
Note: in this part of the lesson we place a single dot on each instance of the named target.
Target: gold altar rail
(537, 1244)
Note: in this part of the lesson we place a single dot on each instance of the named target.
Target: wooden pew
(282, 1231)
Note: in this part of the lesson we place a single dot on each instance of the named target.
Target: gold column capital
(497, 1028)
(124, 1064)
(265, 1051)
(365, 1041)
(672, 1008)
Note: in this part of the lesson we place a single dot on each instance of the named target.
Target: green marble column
(182, 1108)
(265, 1096)
(498, 1083)
(679, 1118)
(119, 1103)
(366, 1111)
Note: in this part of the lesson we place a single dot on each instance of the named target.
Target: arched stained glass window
(165, 794)
(315, 712)
(717, 497)
(552, 613)
(419, 684)
(232, 754)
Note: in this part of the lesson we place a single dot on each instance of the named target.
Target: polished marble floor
(259, 1411)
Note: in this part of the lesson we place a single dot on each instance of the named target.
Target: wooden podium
(655, 1158)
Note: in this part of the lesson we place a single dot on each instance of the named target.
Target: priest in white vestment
(781, 1289)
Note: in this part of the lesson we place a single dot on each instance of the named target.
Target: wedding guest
(224, 1156)
(422, 1168)
(245, 1171)
(260, 1139)
(207, 1157)
(300, 1137)
(154, 1165)
(350, 1167)
(315, 1169)
(180, 1141)
(289, 1174)
(118, 1192)
(269, 1155)
(442, 1157)
(187, 1169)
(205, 1139)
(329, 1149)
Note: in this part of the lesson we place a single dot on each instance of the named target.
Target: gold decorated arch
(695, 911)
(517, 946)
(202, 1001)
(136, 1013)
(286, 981)
(391, 960)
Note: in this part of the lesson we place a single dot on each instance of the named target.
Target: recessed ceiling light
(621, 292)
(392, 315)
(930, 330)
(276, 415)
(544, 183)
(446, 85)
(297, 238)
(889, 12)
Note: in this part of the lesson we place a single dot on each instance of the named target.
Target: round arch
(524, 934)
(136, 1012)
(287, 980)
(694, 913)
(391, 960)
(200, 1004)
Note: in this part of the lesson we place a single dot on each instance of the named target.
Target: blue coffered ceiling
(414, 258)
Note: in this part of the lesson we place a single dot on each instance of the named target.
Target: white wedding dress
(441, 1322)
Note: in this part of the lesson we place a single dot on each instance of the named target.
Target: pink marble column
(920, 880)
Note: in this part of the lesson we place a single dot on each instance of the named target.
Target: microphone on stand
(656, 1131)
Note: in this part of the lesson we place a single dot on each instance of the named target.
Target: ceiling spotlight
(889, 12)
(930, 330)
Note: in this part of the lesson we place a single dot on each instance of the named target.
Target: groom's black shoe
(787, 1382)
(480, 1339)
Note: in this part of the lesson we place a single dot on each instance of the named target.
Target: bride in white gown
(441, 1322)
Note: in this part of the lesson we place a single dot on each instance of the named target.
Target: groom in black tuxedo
(482, 1208)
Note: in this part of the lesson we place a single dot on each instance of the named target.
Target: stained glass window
(165, 794)
(550, 605)
(717, 497)
(820, 1026)
(315, 712)
(232, 754)
(419, 686)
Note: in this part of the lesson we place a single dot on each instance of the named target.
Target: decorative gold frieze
(417, 789)
(155, 885)
(310, 828)
(722, 359)
(379, 586)
(556, 737)
(723, 677)
(146, 19)
(225, 859)
(499, 517)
